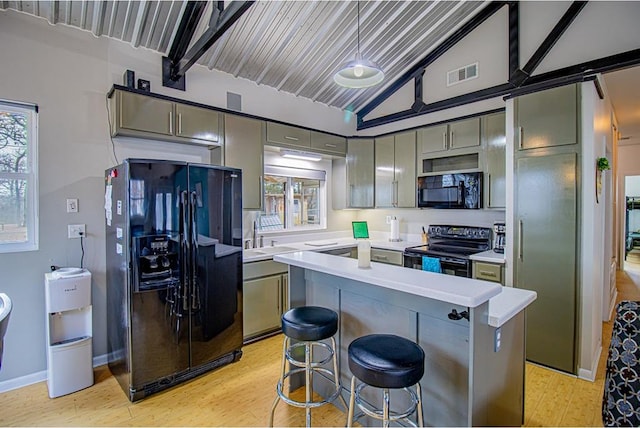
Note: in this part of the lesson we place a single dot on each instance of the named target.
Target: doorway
(631, 230)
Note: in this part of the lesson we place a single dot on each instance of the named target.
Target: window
(18, 183)
(293, 199)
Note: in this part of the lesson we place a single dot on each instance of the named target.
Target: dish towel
(431, 264)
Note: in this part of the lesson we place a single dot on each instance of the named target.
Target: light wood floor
(241, 394)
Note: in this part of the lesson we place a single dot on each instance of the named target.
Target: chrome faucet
(255, 234)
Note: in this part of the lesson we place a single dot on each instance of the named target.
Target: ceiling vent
(462, 74)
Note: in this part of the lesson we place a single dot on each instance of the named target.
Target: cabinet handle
(379, 257)
(286, 137)
(489, 190)
(179, 123)
(395, 193)
(520, 137)
(444, 140)
(451, 139)
(333, 146)
(261, 187)
(520, 255)
(279, 297)
(487, 273)
(170, 123)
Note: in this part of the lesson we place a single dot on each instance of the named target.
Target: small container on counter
(364, 254)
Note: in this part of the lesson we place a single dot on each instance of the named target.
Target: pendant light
(359, 73)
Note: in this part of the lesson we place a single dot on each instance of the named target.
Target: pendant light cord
(358, 3)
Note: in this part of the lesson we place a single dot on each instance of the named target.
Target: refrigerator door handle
(195, 293)
(183, 293)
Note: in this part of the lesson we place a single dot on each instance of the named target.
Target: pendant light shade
(359, 73)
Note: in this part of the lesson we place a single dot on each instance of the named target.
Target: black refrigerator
(174, 271)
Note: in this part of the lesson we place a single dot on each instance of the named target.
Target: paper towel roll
(395, 230)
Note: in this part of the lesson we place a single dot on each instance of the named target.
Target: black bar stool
(308, 325)
(388, 362)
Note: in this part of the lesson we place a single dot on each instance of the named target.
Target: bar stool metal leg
(308, 360)
(419, 405)
(352, 399)
(285, 345)
(385, 408)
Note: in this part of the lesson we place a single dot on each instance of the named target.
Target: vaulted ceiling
(293, 46)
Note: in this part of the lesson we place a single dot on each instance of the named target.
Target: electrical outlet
(497, 339)
(388, 219)
(72, 205)
(76, 231)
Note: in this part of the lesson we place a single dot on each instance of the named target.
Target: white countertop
(489, 257)
(266, 253)
(509, 303)
(447, 288)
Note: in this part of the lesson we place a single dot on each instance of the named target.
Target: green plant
(602, 164)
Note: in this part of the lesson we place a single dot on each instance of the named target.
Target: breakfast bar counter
(472, 331)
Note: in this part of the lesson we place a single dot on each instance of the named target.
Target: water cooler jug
(69, 331)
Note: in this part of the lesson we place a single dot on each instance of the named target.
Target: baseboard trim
(590, 375)
(30, 379)
(612, 307)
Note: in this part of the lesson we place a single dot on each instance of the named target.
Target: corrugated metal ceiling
(293, 46)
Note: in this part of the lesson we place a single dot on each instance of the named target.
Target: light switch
(72, 205)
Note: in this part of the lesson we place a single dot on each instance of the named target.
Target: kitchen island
(472, 331)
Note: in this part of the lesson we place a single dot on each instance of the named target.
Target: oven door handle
(453, 261)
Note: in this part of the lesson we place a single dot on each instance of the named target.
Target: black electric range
(452, 246)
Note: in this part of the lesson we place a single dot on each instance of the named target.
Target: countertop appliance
(499, 236)
(452, 245)
(463, 191)
(174, 271)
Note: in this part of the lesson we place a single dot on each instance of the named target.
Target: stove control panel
(466, 232)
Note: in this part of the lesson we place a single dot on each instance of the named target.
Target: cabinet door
(243, 138)
(288, 135)
(432, 139)
(545, 254)
(548, 118)
(146, 114)
(405, 170)
(464, 133)
(360, 173)
(494, 140)
(328, 143)
(197, 123)
(261, 305)
(385, 181)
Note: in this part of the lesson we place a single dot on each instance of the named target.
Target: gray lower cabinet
(546, 254)
(395, 171)
(493, 272)
(495, 144)
(467, 382)
(547, 118)
(243, 148)
(264, 298)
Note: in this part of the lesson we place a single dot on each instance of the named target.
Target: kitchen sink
(268, 250)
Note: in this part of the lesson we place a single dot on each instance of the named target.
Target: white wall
(67, 73)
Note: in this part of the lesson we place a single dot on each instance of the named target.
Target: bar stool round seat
(386, 361)
(309, 326)
(309, 323)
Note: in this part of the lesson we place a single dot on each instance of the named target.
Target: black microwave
(462, 191)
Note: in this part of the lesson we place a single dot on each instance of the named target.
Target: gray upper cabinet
(464, 133)
(197, 123)
(288, 136)
(494, 142)
(243, 148)
(548, 118)
(327, 143)
(144, 116)
(433, 139)
(455, 135)
(360, 172)
(395, 170)
(141, 113)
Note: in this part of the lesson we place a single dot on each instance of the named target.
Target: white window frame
(295, 172)
(31, 176)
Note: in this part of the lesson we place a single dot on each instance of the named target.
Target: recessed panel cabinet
(353, 177)
(494, 142)
(395, 170)
(243, 148)
(264, 298)
(145, 116)
(547, 118)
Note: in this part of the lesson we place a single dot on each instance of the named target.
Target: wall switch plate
(72, 205)
(76, 231)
